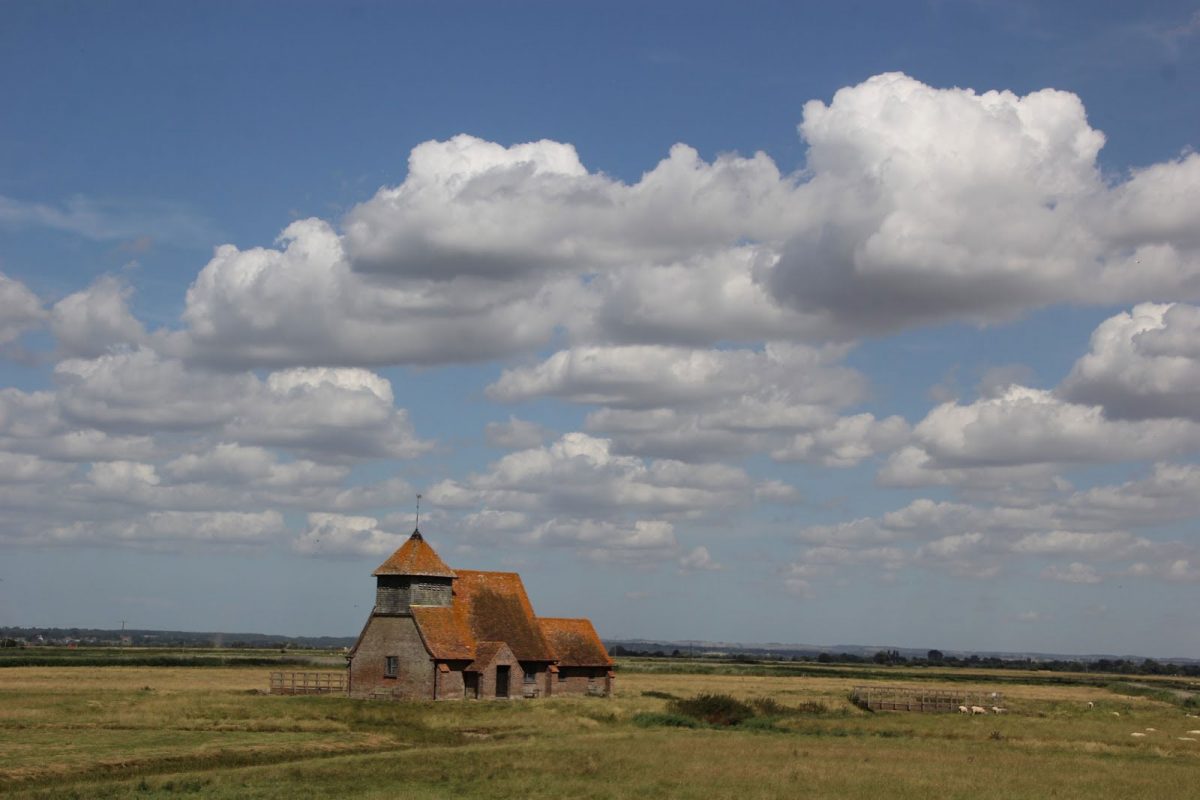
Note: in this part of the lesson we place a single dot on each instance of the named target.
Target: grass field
(144, 731)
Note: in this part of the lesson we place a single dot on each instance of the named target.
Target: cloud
(33, 422)
(234, 464)
(984, 541)
(577, 492)
(472, 207)
(1107, 545)
(653, 376)
(698, 559)
(1170, 493)
(24, 468)
(91, 322)
(917, 205)
(109, 220)
(581, 474)
(1142, 364)
(926, 205)
(343, 411)
(341, 535)
(775, 491)
(912, 466)
(846, 442)
(515, 434)
(170, 530)
(20, 309)
(1026, 426)
(697, 405)
(641, 542)
(303, 305)
(700, 300)
(1075, 572)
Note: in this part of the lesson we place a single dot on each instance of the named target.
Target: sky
(870, 323)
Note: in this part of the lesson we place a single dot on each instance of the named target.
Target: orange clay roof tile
(494, 607)
(415, 557)
(575, 642)
(443, 633)
(485, 654)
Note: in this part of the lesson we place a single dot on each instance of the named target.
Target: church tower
(414, 575)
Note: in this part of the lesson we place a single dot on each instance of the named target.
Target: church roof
(485, 654)
(415, 557)
(575, 642)
(443, 632)
(493, 606)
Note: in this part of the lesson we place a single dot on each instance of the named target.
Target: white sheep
(1116, 713)
(997, 710)
(978, 710)
(1090, 704)
(964, 710)
(1193, 731)
(1137, 734)
(1185, 738)
(1152, 730)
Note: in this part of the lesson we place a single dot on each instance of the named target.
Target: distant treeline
(935, 658)
(25, 637)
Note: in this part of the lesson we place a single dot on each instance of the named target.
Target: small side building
(443, 634)
(583, 666)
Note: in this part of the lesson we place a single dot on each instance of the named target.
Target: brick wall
(578, 680)
(389, 635)
(487, 678)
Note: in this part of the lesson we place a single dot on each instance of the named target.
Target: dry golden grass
(157, 732)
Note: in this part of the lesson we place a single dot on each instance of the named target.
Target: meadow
(134, 731)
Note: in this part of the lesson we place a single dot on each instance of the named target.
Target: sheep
(978, 710)
(964, 710)
(1137, 734)
(997, 710)
(1185, 738)
(1116, 713)
(1193, 731)
(1152, 730)
(1090, 704)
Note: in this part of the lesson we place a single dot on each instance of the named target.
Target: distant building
(443, 634)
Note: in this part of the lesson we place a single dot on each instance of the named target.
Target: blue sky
(869, 324)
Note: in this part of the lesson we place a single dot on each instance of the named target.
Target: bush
(648, 720)
(660, 695)
(770, 707)
(715, 709)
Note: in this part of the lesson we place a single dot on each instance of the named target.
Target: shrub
(648, 720)
(715, 709)
(660, 695)
(770, 707)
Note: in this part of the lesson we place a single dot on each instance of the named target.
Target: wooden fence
(903, 698)
(308, 683)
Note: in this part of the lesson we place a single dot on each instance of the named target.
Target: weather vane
(417, 526)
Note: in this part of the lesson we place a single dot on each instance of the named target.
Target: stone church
(442, 634)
